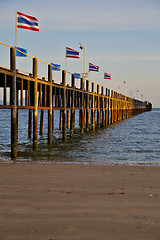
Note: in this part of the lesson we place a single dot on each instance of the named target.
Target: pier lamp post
(84, 56)
(125, 84)
(141, 97)
(137, 94)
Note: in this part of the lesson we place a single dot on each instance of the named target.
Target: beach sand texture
(79, 202)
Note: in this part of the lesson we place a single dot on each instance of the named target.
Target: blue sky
(121, 36)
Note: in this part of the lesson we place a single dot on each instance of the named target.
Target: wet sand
(77, 202)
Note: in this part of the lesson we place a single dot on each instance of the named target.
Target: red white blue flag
(27, 22)
(107, 76)
(71, 53)
(93, 68)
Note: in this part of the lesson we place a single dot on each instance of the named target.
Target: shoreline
(75, 201)
(98, 163)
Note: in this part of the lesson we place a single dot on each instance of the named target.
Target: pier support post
(35, 111)
(106, 108)
(42, 111)
(30, 111)
(82, 106)
(93, 110)
(50, 105)
(21, 92)
(29, 123)
(41, 122)
(64, 105)
(103, 120)
(113, 106)
(5, 90)
(80, 117)
(61, 120)
(13, 103)
(60, 104)
(72, 115)
(98, 108)
(125, 108)
(84, 111)
(67, 118)
(67, 106)
(109, 107)
(87, 105)
(119, 105)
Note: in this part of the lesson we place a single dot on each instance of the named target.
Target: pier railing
(98, 106)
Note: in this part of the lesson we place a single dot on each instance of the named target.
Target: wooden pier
(98, 106)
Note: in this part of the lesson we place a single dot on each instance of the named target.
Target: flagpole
(89, 76)
(66, 60)
(65, 63)
(84, 59)
(16, 32)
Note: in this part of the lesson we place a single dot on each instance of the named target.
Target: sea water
(133, 141)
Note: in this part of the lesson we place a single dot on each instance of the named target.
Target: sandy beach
(83, 202)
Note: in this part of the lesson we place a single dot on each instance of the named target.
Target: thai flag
(107, 76)
(93, 68)
(71, 53)
(27, 22)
